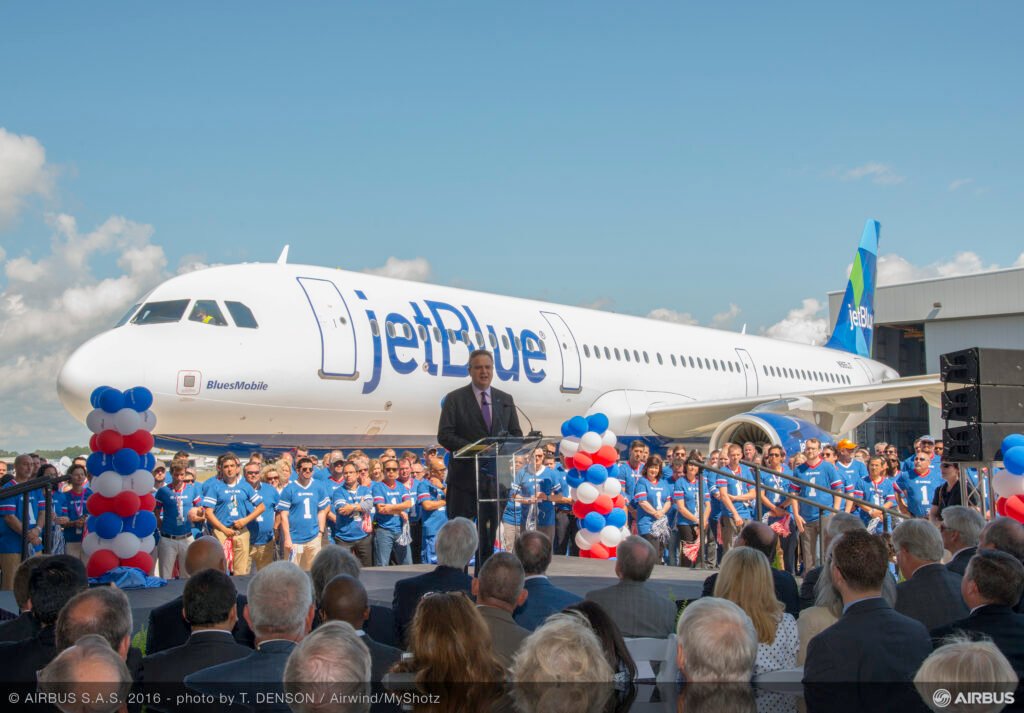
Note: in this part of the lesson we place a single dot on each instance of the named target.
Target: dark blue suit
(999, 623)
(544, 600)
(408, 593)
(261, 671)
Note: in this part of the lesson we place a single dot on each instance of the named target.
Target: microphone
(534, 433)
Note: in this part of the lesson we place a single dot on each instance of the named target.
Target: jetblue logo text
(862, 318)
(214, 385)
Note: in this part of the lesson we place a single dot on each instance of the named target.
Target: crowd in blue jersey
(388, 510)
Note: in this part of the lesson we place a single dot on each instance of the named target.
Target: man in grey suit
(498, 591)
(635, 606)
(930, 592)
(960, 527)
(344, 599)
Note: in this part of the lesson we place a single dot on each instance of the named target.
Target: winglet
(856, 323)
(283, 259)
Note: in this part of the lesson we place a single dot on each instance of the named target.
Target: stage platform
(572, 573)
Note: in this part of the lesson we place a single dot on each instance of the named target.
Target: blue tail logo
(856, 323)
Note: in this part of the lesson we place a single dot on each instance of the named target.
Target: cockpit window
(207, 312)
(127, 315)
(161, 312)
(242, 315)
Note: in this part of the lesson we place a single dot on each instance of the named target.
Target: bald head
(205, 553)
(760, 537)
(344, 599)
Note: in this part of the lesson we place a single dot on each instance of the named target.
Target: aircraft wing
(693, 418)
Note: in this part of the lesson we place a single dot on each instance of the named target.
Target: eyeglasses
(305, 470)
(252, 472)
(189, 480)
(391, 470)
(273, 477)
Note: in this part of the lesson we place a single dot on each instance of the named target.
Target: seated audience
(765, 540)
(209, 606)
(1004, 534)
(563, 650)
(333, 560)
(499, 590)
(455, 545)
(449, 642)
(280, 613)
(637, 608)
(960, 528)
(991, 587)
(50, 586)
(101, 610)
(319, 668)
(533, 548)
(838, 523)
(88, 676)
(167, 626)
(871, 642)
(344, 599)
(929, 593)
(746, 582)
(25, 625)
(717, 643)
(614, 646)
(962, 666)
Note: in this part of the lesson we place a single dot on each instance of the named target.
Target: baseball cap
(926, 437)
(160, 465)
(846, 444)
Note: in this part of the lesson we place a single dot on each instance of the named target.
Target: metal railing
(25, 490)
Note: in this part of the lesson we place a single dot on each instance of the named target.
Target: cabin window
(164, 312)
(715, 362)
(127, 315)
(422, 332)
(492, 340)
(607, 353)
(597, 352)
(451, 336)
(626, 352)
(504, 341)
(691, 362)
(617, 357)
(586, 351)
(646, 358)
(660, 361)
(390, 329)
(673, 359)
(480, 340)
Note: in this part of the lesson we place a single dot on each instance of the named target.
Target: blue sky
(636, 156)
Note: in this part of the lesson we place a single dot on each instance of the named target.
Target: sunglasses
(305, 470)
(391, 470)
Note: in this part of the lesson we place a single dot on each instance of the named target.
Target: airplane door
(749, 372)
(864, 370)
(337, 333)
(572, 369)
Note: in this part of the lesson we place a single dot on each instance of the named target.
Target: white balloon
(147, 544)
(142, 482)
(608, 439)
(1007, 484)
(590, 442)
(126, 545)
(568, 448)
(148, 419)
(612, 487)
(581, 541)
(587, 493)
(108, 484)
(611, 536)
(589, 537)
(90, 543)
(625, 532)
(572, 493)
(99, 420)
(127, 421)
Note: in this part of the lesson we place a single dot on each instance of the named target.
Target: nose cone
(102, 361)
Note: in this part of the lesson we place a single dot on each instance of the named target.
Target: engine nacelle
(766, 427)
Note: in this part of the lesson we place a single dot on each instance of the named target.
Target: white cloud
(960, 183)
(802, 324)
(878, 173)
(416, 269)
(1019, 262)
(670, 315)
(894, 269)
(723, 318)
(603, 303)
(23, 173)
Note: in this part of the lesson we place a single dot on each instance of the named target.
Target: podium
(494, 466)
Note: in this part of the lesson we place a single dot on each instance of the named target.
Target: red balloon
(98, 504)
(598, 551)
(585, 554)
(567, 462)
(619, 501)
(612, 552)
(1001, 507)
(93, 445)
(109, 441)
(606, 455)
(147, 502)
(140, 560)
(581, 509)
(125, 503)
(582, 461)
(603, 504)
(1014, 507)
(141, 442)
(101, 562)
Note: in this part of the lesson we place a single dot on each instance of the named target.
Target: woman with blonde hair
(376, 470)
(746, 580)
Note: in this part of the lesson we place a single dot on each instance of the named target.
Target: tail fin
(856, 323)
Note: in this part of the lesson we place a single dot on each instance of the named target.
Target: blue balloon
(126, 461)
(108, 525)
(1013, 459)
(90, 523)
(1012, 441)
(148, 462)
(616, 518)
(594, 521)
(142, 524)
(577, 426)
(597, 474)
(574, 478)
(566, 431)
(138, 399)
(598, 423)
(97, 463)
(111, 401)
(97, 395)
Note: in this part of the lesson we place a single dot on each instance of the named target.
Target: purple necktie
(485, 406)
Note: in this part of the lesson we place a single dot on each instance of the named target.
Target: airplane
(269, 356)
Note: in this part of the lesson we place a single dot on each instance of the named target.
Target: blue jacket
(544, 600)
(260, 672)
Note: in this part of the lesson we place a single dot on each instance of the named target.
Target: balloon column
(121, 523)
(588, 451)
(1009, 485)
